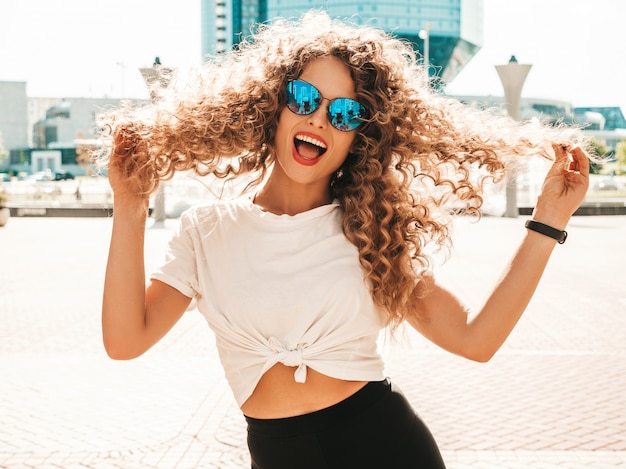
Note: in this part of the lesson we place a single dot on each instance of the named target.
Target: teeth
(311, 140)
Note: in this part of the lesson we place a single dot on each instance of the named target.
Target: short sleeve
(180, 269)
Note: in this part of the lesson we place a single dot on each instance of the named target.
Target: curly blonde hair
(416, 150)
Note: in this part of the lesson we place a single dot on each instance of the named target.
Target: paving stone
(553, 397)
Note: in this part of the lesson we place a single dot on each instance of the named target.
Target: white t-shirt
(277, 288)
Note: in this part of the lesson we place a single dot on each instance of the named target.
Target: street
(554, 395)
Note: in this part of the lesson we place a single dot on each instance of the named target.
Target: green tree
(595, 148)
(620, 156)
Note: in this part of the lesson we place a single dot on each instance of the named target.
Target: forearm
(123, 305)
(488, 329)
(494, 322)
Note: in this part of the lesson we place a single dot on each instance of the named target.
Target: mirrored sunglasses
(344, 114)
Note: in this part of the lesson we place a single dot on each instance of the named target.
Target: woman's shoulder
(216, 210)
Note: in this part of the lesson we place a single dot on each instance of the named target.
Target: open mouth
(309, 148)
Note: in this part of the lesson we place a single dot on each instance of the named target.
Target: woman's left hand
(564, 187)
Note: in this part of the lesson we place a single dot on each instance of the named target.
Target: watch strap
(547, 230)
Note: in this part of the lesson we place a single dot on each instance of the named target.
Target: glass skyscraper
(454, 26)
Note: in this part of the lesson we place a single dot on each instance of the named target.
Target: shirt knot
(290, 357)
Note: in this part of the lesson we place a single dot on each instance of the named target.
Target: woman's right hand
(126, 169)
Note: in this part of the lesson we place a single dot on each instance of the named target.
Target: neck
(291, 201)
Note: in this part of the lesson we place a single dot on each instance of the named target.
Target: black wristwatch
(546, 230)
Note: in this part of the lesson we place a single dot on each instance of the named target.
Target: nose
(319, 118)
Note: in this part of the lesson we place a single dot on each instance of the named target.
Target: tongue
(306, 150)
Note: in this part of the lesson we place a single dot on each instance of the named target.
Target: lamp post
(424, 34)
(156, 78)
(512, 76)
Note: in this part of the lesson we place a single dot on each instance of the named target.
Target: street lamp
(156, 78)
(512, 76)
(424, 34)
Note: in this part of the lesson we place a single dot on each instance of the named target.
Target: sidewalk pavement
(553, 397)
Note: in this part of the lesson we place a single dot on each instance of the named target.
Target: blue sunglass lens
(302, 97)
(345, 114)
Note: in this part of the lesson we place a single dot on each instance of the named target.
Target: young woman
(353, 159)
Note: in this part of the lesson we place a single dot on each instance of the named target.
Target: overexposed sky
(577, 49)
(92, 48)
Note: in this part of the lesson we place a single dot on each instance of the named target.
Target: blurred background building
(451, 30)
(446, 33)
(13, 114)
(30, 125)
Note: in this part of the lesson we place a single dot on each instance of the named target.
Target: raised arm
(449, 324)
(134, 315)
